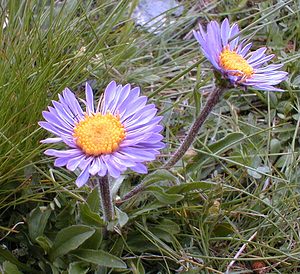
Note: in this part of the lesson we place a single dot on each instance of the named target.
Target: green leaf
(275, 146)
(69, 239)
(158, 176)
(223, 230)
(118, 247)
(184, 188)
(282, 161)
(217, 148)
(139, 244)
(227, 142)
(37, 222)
(90, 218)
(146, 209)
(163, 235)
(10, 268)
(168, 226)
(78, 268)
(44, 242)
(95, 240)
(93, 200)
(65, 217)
(164, 197)
(122, 217)
(99, 257)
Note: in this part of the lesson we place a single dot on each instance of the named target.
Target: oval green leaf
(99, 257)
(69, 239)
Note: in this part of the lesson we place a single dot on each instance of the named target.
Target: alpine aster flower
(121, 132)
(233, 59)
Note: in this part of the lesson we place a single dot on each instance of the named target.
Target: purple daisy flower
(234, 60)
(121, 132)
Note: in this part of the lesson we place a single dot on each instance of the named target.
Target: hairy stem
(106, 199)
(131, 193)
(212, 100)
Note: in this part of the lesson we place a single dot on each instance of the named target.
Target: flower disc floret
(232, 61)
(99, 134)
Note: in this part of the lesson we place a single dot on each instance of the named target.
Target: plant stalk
(131, 193)
(212, 100)
(106, 199)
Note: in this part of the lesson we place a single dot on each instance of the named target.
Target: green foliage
(69, 239)
(240, 178)
(10, 268)
(99, 257)
(37, 222)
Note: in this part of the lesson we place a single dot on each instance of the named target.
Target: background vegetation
(239, 185)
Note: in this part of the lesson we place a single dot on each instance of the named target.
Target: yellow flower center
(99, 134)
(230, 60)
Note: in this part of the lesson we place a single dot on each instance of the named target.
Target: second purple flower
(220, 45)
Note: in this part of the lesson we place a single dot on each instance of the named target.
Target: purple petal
(103, 170)
(57, 123)
(156, 146)
(258, 54)
(113, 168)
(95, 166)
(145, 126)
(225, 28)
(234, 30)
(130, 106)
(269, 68)
(140, 168)
(143, 116)
(89, 99)
(199, 38)
(109, 94)
(75, 162)
(203, 44)
(72, 103)
(63, 153)
(122, 160)
(64, 111)
(217, 33)
(267, 88)
(262, 61)
(152, 129)
(59, 162)
(210, 43)
(114, 108)
(51, 140)
(245, 49)
(138, 154)
(135, 139)
(51, 128)
(83, 177)
(215, 46)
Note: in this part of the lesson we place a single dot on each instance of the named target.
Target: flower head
(220, 45)
(121, 132)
